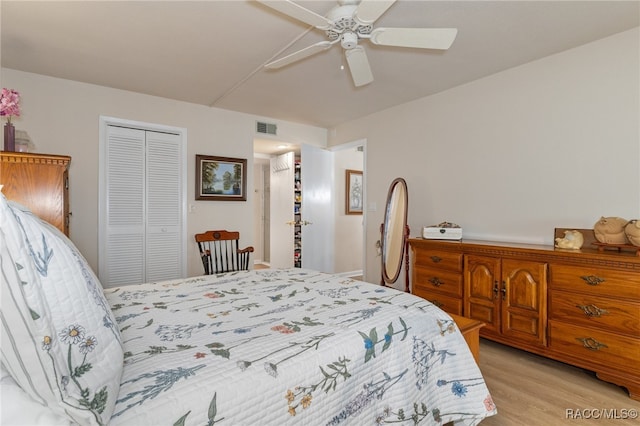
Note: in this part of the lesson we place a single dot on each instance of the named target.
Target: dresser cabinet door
(508, 295)
(524, 294)
(482, 292)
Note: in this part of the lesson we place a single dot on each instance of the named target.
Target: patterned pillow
(60, 342)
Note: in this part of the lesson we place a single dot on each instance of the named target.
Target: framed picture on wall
(221, 178)
(353, 192)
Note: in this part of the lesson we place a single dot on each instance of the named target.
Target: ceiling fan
(351, 21)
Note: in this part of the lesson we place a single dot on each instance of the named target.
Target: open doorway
(348, 259)
(264, 150)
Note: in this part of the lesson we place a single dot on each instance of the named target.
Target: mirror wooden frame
(394, 233)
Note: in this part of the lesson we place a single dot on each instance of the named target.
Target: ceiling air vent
(266, 128)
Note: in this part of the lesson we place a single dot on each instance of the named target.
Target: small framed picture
(353, 191)
(221, 178)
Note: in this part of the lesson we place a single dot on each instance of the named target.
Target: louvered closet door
(124, 260)
(164, 217)
(144, 232)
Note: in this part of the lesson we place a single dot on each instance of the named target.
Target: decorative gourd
(610, 230)
(632, 230)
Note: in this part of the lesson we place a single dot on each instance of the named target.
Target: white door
(164, 207)
(122, 236)
(281, 211)
(318, 208)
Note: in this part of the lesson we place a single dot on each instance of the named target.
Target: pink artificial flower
(9, 103)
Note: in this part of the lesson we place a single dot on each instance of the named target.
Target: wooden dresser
(581, 307)
(39, 182)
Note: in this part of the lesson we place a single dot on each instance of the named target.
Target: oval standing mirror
(395, 232)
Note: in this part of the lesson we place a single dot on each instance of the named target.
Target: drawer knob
(591, 343)
(437, 303)
(436, 281)
(592, 279)
(592, 310)
(436, 259)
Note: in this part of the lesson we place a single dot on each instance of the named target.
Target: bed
(289, 346)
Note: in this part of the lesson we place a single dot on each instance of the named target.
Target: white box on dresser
(437, 233)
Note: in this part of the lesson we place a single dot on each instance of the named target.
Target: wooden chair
(220, 252)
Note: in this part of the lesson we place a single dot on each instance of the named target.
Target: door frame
(350, 145)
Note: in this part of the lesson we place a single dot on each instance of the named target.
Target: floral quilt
(290, 347)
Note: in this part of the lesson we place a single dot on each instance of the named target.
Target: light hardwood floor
(530, 390)
(260, 266)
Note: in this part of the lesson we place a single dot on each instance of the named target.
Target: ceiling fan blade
(424, 38)
(359, 66)
(300, 54)
(298, 12)
(369, 11)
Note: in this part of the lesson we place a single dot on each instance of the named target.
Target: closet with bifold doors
(142, 196)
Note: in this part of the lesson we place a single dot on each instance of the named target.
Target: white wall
(348, 228)
(62, 117)
(552, 143)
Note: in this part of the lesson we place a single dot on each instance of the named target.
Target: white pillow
(19, 409)
(60, 342)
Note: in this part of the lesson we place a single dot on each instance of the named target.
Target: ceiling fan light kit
(349, 40)
(353, 20)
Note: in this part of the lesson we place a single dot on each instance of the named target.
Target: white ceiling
(212, 52)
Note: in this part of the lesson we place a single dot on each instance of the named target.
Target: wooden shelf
(618, 247)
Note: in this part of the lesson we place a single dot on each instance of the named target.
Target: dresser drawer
(595, 311)
(594, 346)
(438, 280)
(597, 281)
(448, 304)
(438, 259)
